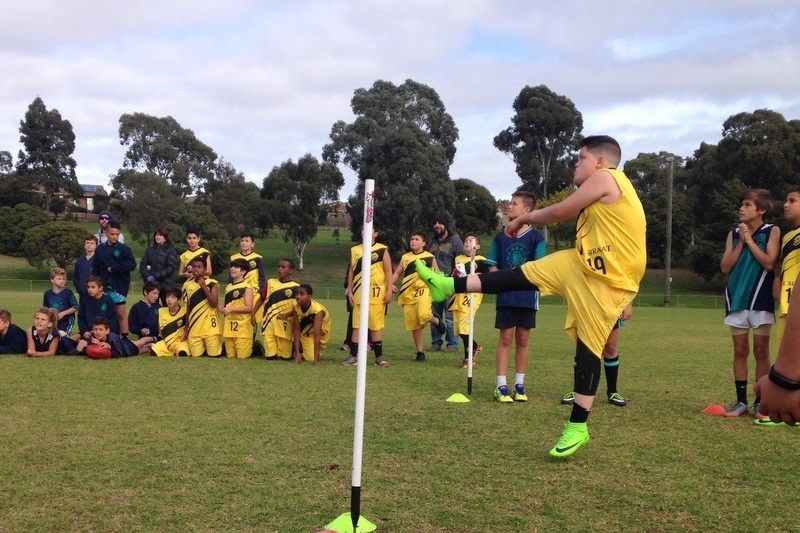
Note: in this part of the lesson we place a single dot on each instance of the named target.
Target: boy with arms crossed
(751, 252)
(780, 388)
(380, 294)
(201, 296)
(237, 307)
(785, 276)
(610, 363)
(414, 297)
(598, 278)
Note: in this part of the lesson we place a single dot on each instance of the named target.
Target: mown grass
(147, 444)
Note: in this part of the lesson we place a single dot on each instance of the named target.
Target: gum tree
(404, 139)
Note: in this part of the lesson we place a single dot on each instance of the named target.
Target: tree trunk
(299, 251)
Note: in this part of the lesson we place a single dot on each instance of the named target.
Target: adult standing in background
(104, 219)
(160, 264)
(444, 246)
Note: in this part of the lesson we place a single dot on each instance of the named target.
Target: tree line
(404, 138)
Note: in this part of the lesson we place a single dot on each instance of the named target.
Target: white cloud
(262, 82)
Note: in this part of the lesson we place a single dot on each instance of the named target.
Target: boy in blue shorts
(598, 278)
(114, 263)
(516, 310)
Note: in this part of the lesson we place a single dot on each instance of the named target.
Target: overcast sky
(262, 82)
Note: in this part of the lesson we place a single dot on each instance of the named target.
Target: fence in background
(337, 293)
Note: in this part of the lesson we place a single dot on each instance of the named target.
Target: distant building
(86, 201)
(338, 215)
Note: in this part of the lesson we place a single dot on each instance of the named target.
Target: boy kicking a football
(598, 278)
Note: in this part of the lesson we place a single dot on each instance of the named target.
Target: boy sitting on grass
(12, 337)
(171, 327)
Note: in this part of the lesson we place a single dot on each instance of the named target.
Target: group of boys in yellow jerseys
(198, 320)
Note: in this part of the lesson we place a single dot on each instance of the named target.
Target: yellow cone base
(457, 398)
(344, 524)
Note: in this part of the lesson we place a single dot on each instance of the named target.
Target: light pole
(668, 247)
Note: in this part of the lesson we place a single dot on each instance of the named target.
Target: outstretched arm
(600, 186)
(780, 390)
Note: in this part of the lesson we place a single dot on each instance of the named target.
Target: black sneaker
(420, 357)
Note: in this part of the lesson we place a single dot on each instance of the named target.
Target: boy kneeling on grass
(312, 325)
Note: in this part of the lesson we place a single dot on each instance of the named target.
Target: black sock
(741, 391)
(353, 349)
(612, 371)
(579, 414)
(377, 348)
(465, 340)
(460, 284)
(499, 281)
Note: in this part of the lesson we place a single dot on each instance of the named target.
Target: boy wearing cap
(104, 219)
(445, 247)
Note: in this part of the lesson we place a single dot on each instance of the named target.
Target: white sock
(501, 381)
(519, 378)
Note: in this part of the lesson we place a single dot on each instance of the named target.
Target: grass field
(146, 444)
